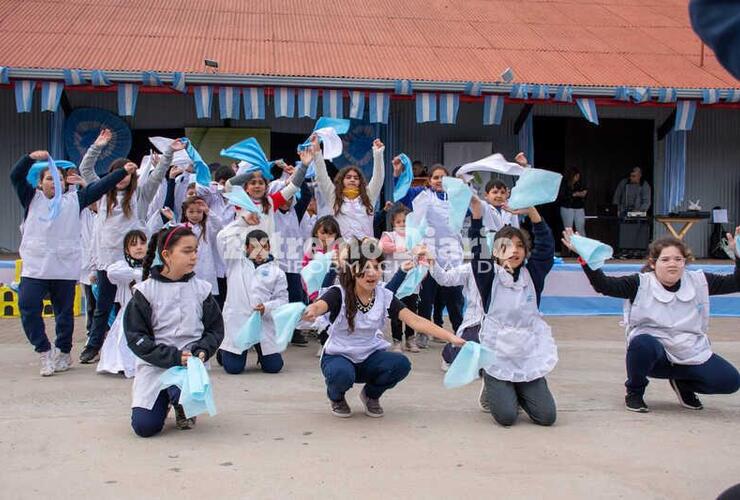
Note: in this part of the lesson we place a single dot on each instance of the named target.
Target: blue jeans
(450, 297)
(31, 294)
(147, 423)
(234, 364)
(646, 357)
(381, 371)
(103, 307)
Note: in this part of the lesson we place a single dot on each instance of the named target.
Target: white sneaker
(62, 360)
(445, 365)
(422, 341)
(47, 363)
(396, 346)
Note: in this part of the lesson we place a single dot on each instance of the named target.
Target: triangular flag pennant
(404, 87)
(99, 78)
(685, 112)
(473, 88)
(127, 97)
(51, 94)
(24, 95)
(588, 110)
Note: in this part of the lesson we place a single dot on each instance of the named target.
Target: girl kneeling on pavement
(171, 316)
(356, 350)
(667, 319)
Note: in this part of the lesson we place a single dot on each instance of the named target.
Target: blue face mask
(594, 252)
(285, 318)
(412, 281)
(250, 333)
(535, 187)
(469, 361)
(315, 271)
(196, 394)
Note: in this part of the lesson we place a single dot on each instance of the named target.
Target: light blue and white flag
(24, 95)
(73, 77)
(51, 94)
(564, 94)
(4, 75)
(333, 103)
(622, 94)
(474, 88)
(203, 95)
(99, 78)
(308, 102)
(710, 96)
(667, 95)
(540, 92)
(426, 107)
(519, 91)
(228, 102)
(151, 79)
(588, 109)
(493, 109)
(178, 82)
(732, 95)
(357, 104)
(685, 112)
(448, 107)
(640, 94)
(379, 107)
(254, 103)
(284, 100)
(127, 96)
(404, 87)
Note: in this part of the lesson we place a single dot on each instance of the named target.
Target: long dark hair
(192, 200)
(657, 247)
(353, 259)
(264, 201)
(570, 174)
(164, 239)
(339, 189)
(329, 224)
(130, 190)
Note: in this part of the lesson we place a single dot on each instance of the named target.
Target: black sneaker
(341, 409)
(372, 406)
(299, 339)
(181, 421)
(634, 402)
(687, 398)
(89, 355)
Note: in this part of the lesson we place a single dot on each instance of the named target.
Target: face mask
(351, 193)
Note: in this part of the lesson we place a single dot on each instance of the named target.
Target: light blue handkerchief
(315, 271)
(458, 195)
(250, 333)
(412, 281)
(250, 151)
(468, 363)
(196, 394)
(285, 318)
(535, 187)
(594, 252)
(202, 172)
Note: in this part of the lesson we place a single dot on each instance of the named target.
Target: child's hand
(407, 266)
(40, 155)
(177, 145)
(260, 308)
(521, 159)
(130, 168)
(103, 138)
(378, 145)
(315, 145)
(184, 357)
(476, 208)
(202, 355)
(567, 235)
(76, 179)
(167, 212)
(457, 341)
(397, 166)
(388, 205)
(520, 211)
(251, 218)
(309, 314)
(306, 157)
(175, 172)
(731, 244)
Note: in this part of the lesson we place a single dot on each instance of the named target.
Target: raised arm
(375, 185)
(95, 190)
(87, 166)
(326, 185)
(18, 175)
(722, 284)
(151, 184)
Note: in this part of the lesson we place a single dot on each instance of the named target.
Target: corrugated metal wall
(713, 151)
(20, 133)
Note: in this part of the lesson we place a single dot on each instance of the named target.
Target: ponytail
(151, 251)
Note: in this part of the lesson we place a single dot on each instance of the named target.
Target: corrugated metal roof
(579, 42)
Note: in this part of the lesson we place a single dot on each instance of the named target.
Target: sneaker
(62, 360)
(372, 406)
(687, 398)
(483, 398)
(47, 363)
(634, 402)
(445, 365)
(422, 341)
(341, 409)
(410, 345)
(299, 339)
(89, 355)
(181, 421)
(396, 346)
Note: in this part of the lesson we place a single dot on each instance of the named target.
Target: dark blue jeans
(31, 294)
(381, 371)
(103, 307)
(235, 364)
(451, 297)
(646, 357)
(147, 423)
